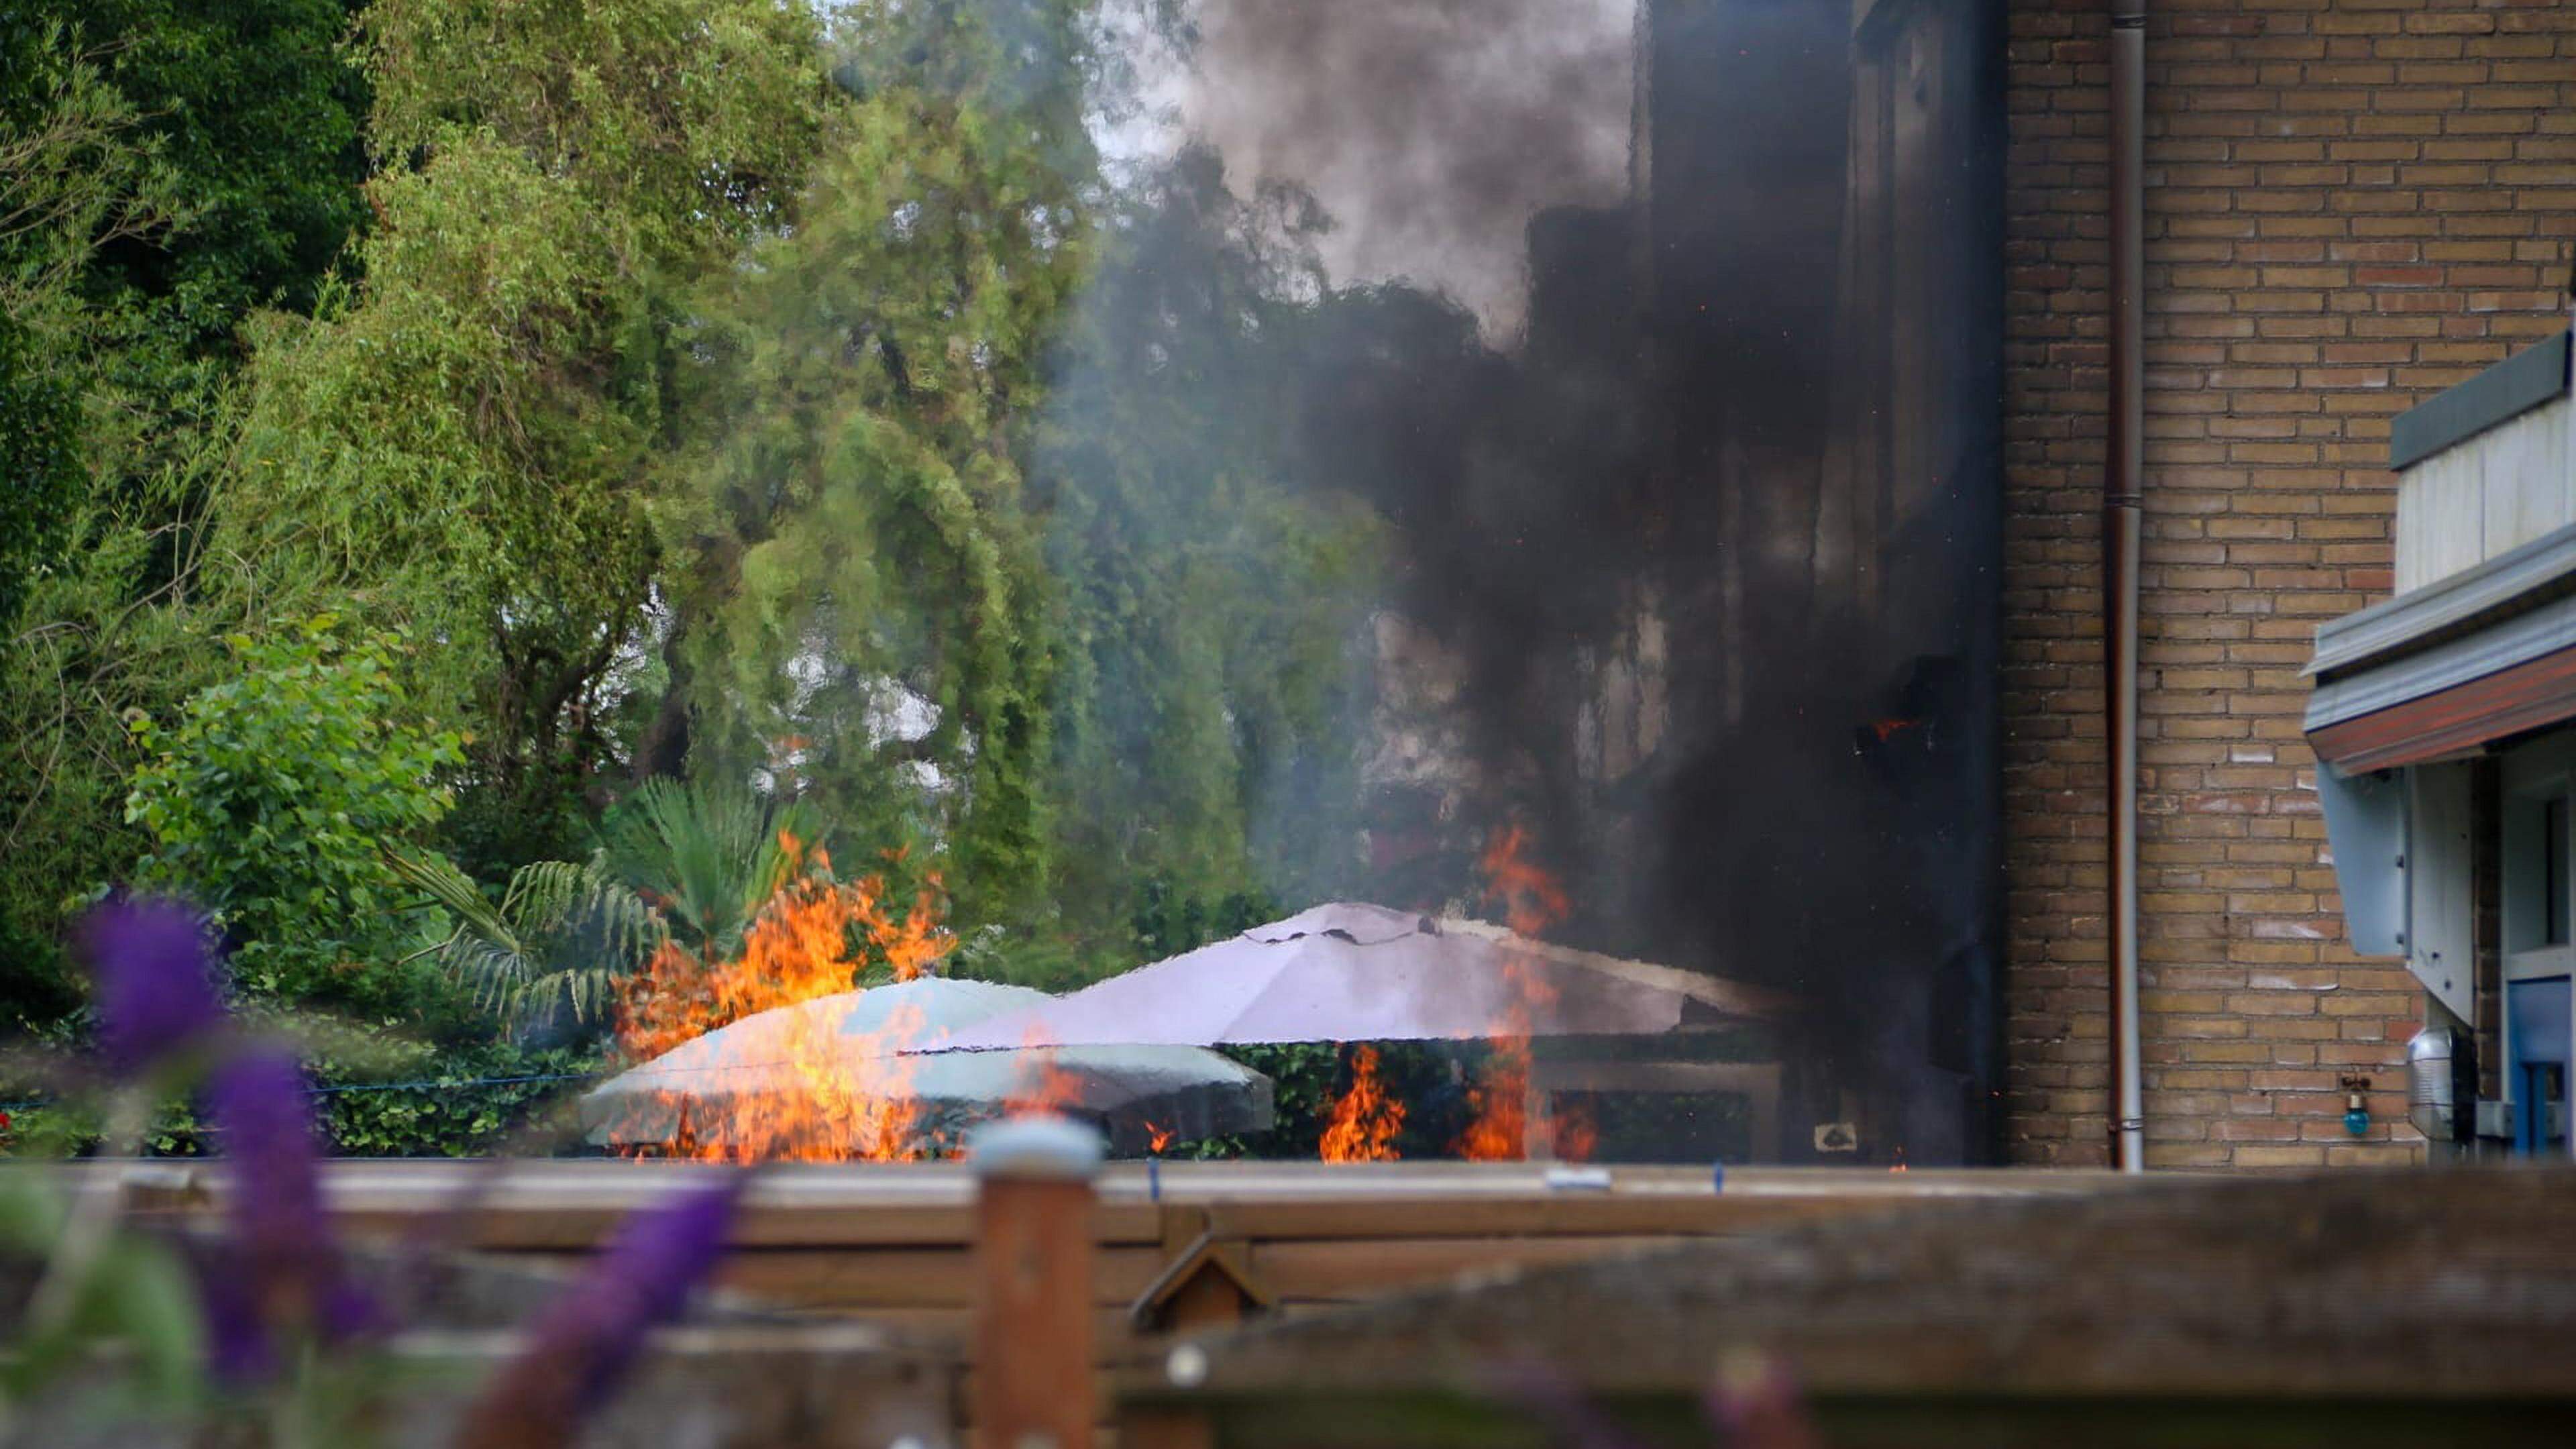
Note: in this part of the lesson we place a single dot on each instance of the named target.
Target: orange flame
(1572, 1134)
(1499, 1132)
(1043, 1086)
(842, 1107)
(1365, 1120)
(810, 939)
(1533, 903)
(1157, 1137)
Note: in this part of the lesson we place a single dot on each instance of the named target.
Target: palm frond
(708, 853)
(437, 877)
(563, 934)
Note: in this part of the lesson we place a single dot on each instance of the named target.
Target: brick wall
(2351, 204)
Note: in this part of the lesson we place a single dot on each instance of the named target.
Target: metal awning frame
(2442, 671)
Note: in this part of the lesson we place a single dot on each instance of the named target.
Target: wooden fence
(1180, 1244)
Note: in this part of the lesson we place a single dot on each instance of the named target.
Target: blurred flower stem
(97, 1205)
(152, 975)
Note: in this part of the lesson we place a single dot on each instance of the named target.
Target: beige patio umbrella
(1350, 971)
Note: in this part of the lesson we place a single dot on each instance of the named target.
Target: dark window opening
(2553, 871)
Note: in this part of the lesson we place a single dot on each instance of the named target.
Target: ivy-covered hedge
(468, 1103)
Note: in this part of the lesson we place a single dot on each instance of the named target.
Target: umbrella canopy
(1356, 972)
(719, 1088)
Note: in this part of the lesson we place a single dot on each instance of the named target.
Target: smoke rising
(1430, 133)
(1661, 342)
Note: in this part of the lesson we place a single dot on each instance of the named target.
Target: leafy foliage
(41, 478)
(705, 854)
(984, 448)
(1212, 579)
(771, 396)
(230, 185)
(253, 104)
(77, 168)
(693, 121)
(376, 1096)
(457, 444)
(460, 1104)
(147, 157)
(88, 653)
(271, 796)
(846, 535)
(448, 449)
(555, 943)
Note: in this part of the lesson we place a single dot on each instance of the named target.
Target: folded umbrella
(727, 1088)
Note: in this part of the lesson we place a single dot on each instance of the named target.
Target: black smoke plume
(1667, 344)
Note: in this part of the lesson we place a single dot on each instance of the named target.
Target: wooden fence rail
(1179, 1244)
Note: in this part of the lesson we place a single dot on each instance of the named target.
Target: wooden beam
(1362, 1268)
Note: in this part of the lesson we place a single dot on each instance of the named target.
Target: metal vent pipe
(2121, 481)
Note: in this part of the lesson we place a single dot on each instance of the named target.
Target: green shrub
(389, 1099)
(273, 799)
(466, 1103)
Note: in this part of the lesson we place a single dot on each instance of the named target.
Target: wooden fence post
(1036, 1379)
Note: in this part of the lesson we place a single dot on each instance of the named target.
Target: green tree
(42, 482)
(86, 631)
(166, 167)
(248, 162)
(457, 443)
(78, 170)
(62, 759)
(254, 105)
(994, 530)
(859, 597)
(1212, 578)
(692, 121)
(273, 799)
(448, 449)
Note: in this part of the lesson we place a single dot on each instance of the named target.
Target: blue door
(2537, 1014)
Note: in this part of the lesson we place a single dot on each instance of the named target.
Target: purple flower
(1551, 1396)
(154, 979)
(280, 1268)
(588, 1337)
(1755, 1402)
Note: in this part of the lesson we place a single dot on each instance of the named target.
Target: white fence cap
(1037, 1145)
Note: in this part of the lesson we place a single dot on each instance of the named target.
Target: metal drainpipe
(2120, 533)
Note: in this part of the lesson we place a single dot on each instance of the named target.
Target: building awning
(2442, 671)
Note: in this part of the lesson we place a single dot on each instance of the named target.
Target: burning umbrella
(857, 1075)
(1350, 971)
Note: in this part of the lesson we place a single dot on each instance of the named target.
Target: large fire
(809, 940)
(1532, 903)
(1365, 1120)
